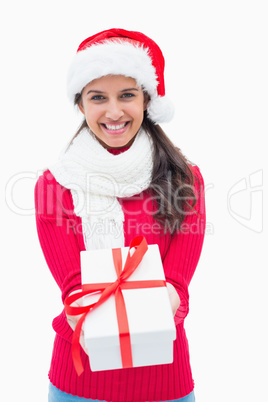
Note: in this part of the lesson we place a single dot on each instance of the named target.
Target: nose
(114, 110)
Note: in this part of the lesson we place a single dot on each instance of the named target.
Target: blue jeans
(55, 395)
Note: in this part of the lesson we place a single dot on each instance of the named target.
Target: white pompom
(160, 110)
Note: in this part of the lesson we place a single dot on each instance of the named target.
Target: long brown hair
(172, 178)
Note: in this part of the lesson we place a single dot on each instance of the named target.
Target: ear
(80, 105)
(146, 100)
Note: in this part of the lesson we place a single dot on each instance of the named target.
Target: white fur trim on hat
(119, 58)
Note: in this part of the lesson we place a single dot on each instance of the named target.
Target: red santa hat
(128, 53)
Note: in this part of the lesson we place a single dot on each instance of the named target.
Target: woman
(120, 177)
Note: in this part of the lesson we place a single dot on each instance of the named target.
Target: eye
(97, 97)
(128, 95)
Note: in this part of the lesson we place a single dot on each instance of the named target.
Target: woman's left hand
(173, 297)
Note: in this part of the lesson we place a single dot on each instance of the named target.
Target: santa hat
(128, 53)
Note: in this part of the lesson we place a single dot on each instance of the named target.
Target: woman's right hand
(73, 319)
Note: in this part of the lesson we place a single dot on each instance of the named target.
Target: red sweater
(61, 238)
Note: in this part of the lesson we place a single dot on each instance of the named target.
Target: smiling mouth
(115, 126)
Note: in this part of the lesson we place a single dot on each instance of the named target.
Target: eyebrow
(101, 92)
(95, 91)
(129, 89)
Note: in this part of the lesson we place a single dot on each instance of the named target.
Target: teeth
(118, 127)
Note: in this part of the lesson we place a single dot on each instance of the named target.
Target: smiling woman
(120, 177)
(114, 108)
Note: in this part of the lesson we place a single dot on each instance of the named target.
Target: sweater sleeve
(185, 248)
(58, 233)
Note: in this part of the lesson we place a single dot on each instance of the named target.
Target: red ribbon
(107, 289)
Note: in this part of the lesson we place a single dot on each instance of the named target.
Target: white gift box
(151, 324)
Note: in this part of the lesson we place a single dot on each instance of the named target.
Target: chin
(119, 143)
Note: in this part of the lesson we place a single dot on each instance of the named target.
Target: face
(113, 107)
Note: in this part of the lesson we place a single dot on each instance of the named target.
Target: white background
(216, 74)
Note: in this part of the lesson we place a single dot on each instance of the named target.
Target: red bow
(107, 289)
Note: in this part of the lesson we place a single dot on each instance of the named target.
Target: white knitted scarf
(97, 178)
